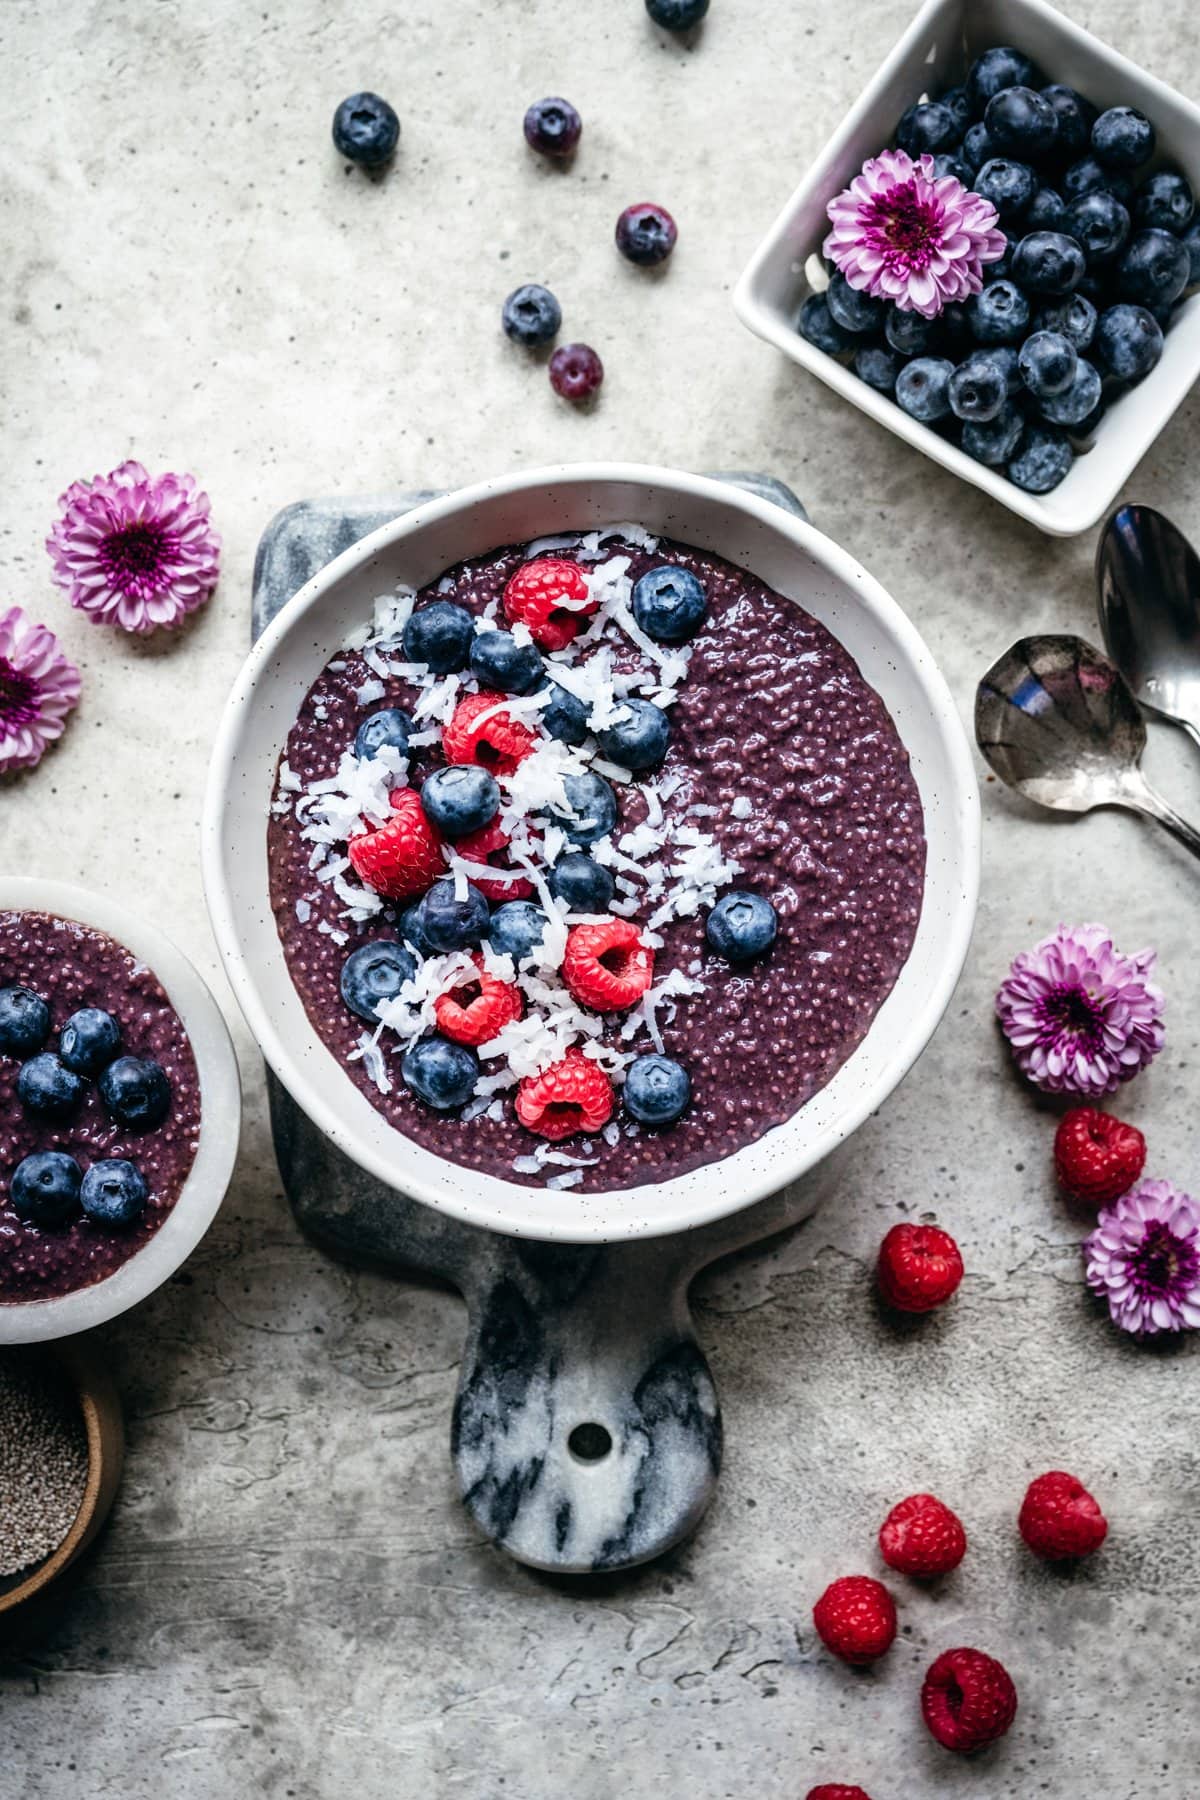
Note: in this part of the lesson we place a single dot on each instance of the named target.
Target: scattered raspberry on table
(1059, 1519)
(856, 1619)
(967, 1700)
(919, 1267)
(837, 1790)
(922, 1537)
(1097, 1158)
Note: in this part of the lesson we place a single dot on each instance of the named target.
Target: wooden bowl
(81, 1361)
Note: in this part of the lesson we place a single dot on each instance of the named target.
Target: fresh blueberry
(552, 127)
(927, 128)
(878, 367)
(1047, 211)
(995, 440)
(670, 604)
(852, 310)
(375, 972)
(1122, 138)
(585, 885)
(1075, 317)
(639, 741)
(978, 387)
(593, 808)
(656, 1090)
(388, 726)
(114, 1192)
(908, 333)
(45, 1187)
(411, 931)
(452, 924)
(1048, 262)
(576, 372)
(677, 15)
(1010, 186)
(531, 315)
(923, 388)
(741, 927)
(1129, 342)
(1099, 224)
(498, 662)
(89, 1039)
(952, 164)
(136, 1092)
(977, 148)
(440, 634)
(460, 798)
(46, 1086)
(1164, 202)
(818, 325)
(1087, 176)
(1044, 457)
(646, 234)
(1191, 243)
(1047, 363)
(516, 928)
(998, 68)
(1000, 314)
(440, 1073)
(566, 717)
(1000, 268)
(956, 99)
(366, 130)
(1075, 402)
(1005, 356)
(1154, 269)
(24, 1021)
(1075, 117)
(1021, 122)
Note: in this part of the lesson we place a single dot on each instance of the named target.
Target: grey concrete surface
(288, 1600)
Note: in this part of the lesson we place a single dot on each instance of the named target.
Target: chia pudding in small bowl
(119, 1109)
(591, 851)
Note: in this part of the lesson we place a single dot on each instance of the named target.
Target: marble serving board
(586, 1434)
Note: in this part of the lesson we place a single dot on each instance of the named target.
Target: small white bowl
(792, 558)
(934, 53)
(33, 1321)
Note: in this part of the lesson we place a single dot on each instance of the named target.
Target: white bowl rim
(461, 1202)
(36, 1321)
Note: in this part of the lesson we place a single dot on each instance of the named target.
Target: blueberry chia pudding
(99, 1106)
(594, 860)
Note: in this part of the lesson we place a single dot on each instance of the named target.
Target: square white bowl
(934, 53)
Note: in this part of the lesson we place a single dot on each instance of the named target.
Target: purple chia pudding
(72, 966)
(786, 766)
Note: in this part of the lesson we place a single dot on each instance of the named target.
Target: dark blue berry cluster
(1096, 261)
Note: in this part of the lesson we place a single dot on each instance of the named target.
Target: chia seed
(43, 1461)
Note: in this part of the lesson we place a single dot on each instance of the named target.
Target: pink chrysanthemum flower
(133, 549)
(38, 688)
(1081, 1018)
(1144, 1259)
(902, 233)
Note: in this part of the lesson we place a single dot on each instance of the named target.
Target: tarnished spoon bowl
(1148, 578)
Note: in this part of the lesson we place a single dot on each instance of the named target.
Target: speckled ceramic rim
(791, 557)
(33, 1321)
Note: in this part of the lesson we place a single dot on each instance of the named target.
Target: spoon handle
(1145, 800)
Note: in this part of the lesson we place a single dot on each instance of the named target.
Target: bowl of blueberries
(997, 256)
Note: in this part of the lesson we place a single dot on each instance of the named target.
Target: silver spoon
(1149, 581)
(1056, 721)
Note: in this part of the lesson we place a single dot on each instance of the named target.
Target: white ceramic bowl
(934, 53)
(792, 558)
(32, 1321)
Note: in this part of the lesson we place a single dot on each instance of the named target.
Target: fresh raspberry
(476, 1007)
(967, 1700)
(536, 595)
(837, 1790)
(498, 745)
(922, 1537)
(856, 1619)
(572, 1095)
(1059, 1519)
(403, 857)
(1096, 1157)
(919, 1267)
(607, 967)
(488, 846)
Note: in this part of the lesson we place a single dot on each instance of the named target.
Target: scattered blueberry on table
(531, 315)
(575, 372)
(553, 127)
(677, 15)
(646, 234)
(1097, 251)
(366, 130)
